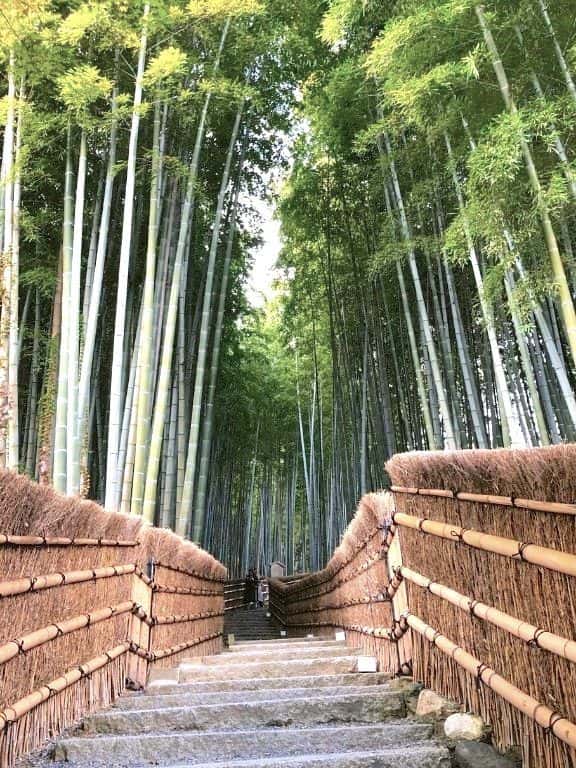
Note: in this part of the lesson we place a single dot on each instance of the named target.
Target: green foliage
(221, 9)
(81, 88)
(168, 65)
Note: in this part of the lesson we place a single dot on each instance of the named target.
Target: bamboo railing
(84, 615)
(464, 574)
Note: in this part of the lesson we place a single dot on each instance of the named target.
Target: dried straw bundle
(537, 595)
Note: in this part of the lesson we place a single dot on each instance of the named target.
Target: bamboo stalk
(191, 572)
(61, 541)
(554, 507)
(553, 559)
(38, 583)
(156, 621)
(163, 653)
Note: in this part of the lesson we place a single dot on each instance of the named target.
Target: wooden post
(400, 599)
(140, 632)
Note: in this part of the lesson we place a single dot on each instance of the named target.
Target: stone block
(433, 706)
(464, 727)
(475, 754)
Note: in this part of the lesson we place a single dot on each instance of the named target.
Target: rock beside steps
(281, 704)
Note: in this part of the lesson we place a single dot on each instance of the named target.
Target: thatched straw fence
(465, 572)
(89, 602)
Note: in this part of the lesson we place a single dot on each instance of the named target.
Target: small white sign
(282, 633)
(367, 664)
(231, 640)
(340, 636)
(309, 637)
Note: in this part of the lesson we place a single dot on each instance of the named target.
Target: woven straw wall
(27, 509)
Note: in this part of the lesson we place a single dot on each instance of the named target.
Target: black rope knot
(59, 630)
(33, 582)
(472, 608)
(521, 548)
(534, 642)
(479, 672)
(555, 717)
(19, 643)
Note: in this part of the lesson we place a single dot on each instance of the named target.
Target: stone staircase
(251, 624)
(286, 703)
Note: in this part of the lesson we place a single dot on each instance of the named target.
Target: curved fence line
(501, 638)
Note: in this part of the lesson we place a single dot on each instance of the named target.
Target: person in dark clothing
(250, 587)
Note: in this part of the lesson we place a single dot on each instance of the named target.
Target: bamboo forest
(419, 159)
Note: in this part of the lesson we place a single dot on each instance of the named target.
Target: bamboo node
(84, 673)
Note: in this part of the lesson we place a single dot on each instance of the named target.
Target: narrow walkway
(286, 703)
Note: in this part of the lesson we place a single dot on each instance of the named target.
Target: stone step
(271, 695)
(290, 654)
(247, 636)
(216, 747)
(348, 708)
(277, 668)
(285, 643)
(418, 755)
(267, 683)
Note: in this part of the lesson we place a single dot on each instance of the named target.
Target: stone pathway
(276, 704)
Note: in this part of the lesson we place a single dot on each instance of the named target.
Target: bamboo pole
(61, 541)
(159, 621)
(554, 507)
(38, 583)
(193, 573)
(45, 635)
(541, 638)
(553, 559)
(20, 708)
(545, 717)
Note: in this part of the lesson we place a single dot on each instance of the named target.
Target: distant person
(250, 588)
(260, 593)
